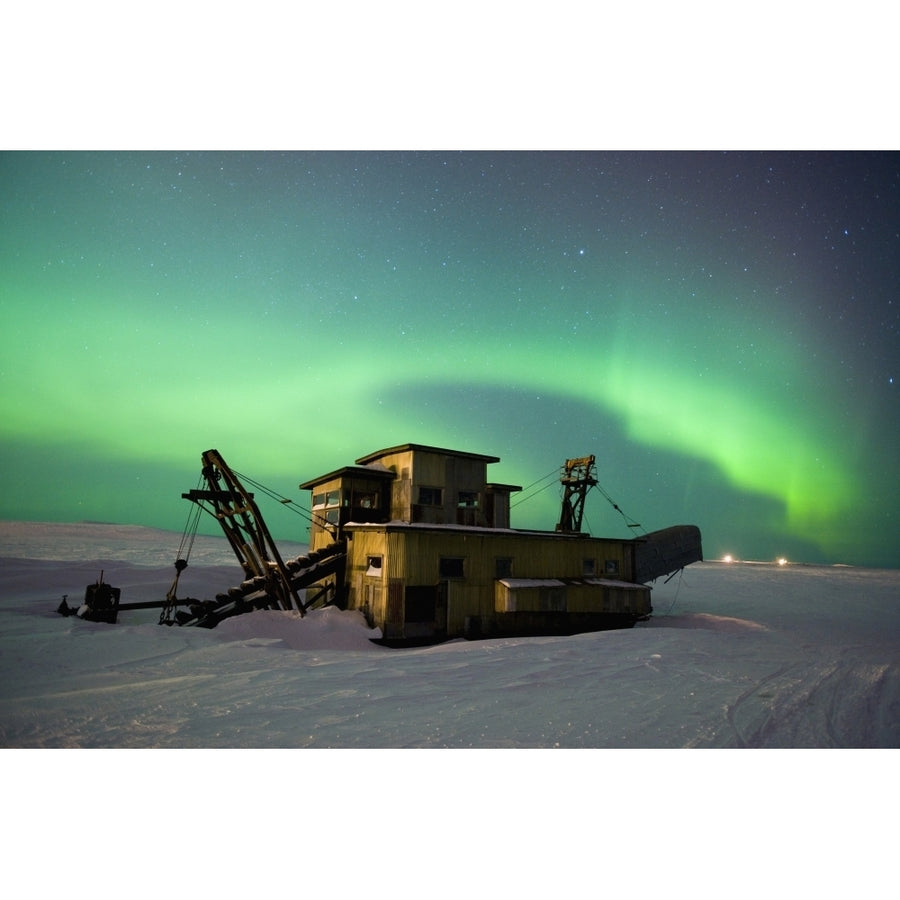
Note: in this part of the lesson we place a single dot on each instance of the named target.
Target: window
(451, 567)
(374, 567)
(588, 566)
(503, 566)
(318, 501)
(468, 499)
(430, 496)
(611, 567)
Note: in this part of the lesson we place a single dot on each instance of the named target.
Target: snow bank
(714, 623)
(734, 656)
(319, 629)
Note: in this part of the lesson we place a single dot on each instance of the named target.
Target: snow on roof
(610, 582)
(517, 583)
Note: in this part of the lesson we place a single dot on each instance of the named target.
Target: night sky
(722, 330)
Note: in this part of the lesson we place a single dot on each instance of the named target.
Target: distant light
(727, 558)
(782, 561)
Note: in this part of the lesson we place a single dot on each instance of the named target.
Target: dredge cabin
(430, 553)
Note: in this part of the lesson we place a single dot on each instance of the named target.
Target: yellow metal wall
(363, 587)
(420, 468)
(412, 556)
(609, 597)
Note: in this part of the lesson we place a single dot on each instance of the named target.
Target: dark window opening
(429, 496)
(451, 567)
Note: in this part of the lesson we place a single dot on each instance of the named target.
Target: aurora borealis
(721, 329)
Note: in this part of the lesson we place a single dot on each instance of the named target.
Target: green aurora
(720, 330)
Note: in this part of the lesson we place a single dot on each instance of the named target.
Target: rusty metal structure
(270, 582)
(418, 539)
(577, 479)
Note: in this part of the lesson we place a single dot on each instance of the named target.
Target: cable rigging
(292, 505)
(181, 559)
(629, 522)
(680, 574)
(560, 474)
(190, 531)
(554, 475)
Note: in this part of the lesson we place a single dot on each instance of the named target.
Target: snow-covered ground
(736, 656)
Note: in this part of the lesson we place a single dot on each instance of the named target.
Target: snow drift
(735, 656)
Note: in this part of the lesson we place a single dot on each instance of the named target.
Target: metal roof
(402, 448)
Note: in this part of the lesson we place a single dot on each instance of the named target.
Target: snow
(515, 583)
(735, 656)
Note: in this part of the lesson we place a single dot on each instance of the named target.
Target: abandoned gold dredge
(419, 541)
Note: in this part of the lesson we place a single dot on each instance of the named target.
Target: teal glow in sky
(721, 330)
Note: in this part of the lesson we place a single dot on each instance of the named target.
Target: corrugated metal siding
(419, 468)
(393, 621)
(589, 595)
(412, 559)
(367, 592)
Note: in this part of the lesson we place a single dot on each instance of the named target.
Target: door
(425, 611)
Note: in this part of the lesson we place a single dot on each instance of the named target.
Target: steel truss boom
(233, 506)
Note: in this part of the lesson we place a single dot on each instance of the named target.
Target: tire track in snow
(816, 705)
(736, 710)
